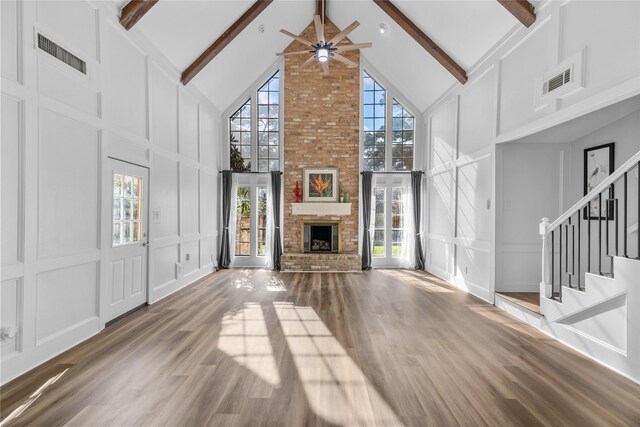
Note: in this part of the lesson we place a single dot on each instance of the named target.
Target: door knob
(145, 244)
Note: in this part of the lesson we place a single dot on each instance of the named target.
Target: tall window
(240, 138)
(402, 143)
(374, 124)
(254, 130)
(268, 125)
(388, 130)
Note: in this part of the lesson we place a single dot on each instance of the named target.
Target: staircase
(590, 293)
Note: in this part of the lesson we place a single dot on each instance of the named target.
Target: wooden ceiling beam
(521, 9)
(133, 11)
(321, 8)
(224, 40)
(423, 40)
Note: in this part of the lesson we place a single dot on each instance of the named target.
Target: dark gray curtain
(367, 178)
(224, 260)
(416, 184)
(276, 191)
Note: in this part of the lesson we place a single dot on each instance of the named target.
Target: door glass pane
(397, 221)
(378, 247)
(243, 222)
(262, 221)
(127, 206)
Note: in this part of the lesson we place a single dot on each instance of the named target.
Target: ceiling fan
(324, 49)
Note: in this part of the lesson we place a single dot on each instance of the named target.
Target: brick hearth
(321, 262)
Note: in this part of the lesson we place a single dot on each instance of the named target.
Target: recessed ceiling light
(261, 28)
(383, 28)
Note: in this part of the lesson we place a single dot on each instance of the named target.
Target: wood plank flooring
(529, 300)
(385, 347)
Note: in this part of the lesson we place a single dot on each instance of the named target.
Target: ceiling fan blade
(344, 33)
(299, 52)
(293, 36)
(353, 46)
(317, 21)
(344, 60)
(307, 62)
(325, 68)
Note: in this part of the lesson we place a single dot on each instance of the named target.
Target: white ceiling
(466, 30)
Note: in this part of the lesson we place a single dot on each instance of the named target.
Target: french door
(249, 239)
(128, 187)
(389, 218)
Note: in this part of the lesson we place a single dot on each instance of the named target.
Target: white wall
(58, 129)
(501, 102)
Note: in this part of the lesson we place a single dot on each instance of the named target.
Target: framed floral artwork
(321, 185)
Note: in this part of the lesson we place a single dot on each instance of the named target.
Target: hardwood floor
(385, 347)
(529, 300)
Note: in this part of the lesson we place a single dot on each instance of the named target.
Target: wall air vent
(62, 54)
(556, 81)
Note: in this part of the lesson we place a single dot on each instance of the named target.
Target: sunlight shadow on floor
(335, 387)
(244, 337)
(31, 399)
(422, 282)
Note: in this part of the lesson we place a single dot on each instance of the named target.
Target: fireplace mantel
(321, 209)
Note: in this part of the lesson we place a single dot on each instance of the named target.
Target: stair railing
(567, 242)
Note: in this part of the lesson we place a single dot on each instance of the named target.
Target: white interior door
(127, 274)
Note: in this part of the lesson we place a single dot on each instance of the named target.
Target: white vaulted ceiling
(466, 30)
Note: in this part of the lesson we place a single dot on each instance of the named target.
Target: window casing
(255, 130)
(388, 129)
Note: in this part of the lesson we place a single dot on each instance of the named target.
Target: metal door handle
(145, 244)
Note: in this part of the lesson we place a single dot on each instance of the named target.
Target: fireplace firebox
(321, 237)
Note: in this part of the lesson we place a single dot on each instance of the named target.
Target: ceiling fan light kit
(323, 51)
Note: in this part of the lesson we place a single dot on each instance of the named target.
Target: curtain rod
(252, 172)
(390, 173)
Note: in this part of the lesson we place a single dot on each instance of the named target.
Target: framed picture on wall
(598, 165)
(321, 185)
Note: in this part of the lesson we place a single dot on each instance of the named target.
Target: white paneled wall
(59, 127)
(503, 101)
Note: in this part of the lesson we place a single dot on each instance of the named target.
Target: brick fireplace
(321, 130)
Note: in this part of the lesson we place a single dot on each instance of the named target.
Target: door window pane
(127, 209)
(397, 221)
(378, 246)
(243, 222)
(262, 221)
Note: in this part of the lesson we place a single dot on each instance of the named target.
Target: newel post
(545, 285)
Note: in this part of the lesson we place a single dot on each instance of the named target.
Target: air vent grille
(557, 81)
(62, 54)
